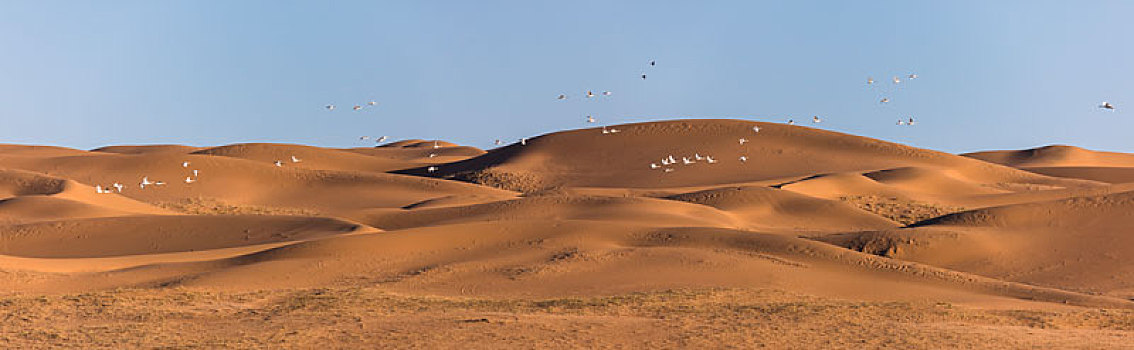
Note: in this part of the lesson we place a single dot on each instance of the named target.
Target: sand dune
(592, 159)
(242, 182)
(144, 149)
(647, 211)
(1079, 244)
(770, 208)
(568, 258)
(1055, 156)
(1114, 175)
(1067, 162)
(139, 235)
(30, 196)
(382, 160)
(581, 214)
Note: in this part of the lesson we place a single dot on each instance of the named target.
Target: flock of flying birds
(590, 94)
(669, 160)
(885, 99)
(118, 188)
(331, 107)
(190, 179)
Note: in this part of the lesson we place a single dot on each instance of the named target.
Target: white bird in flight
(185, 164)
(698, 156)
(896, 80)
(431, 169)
(119, 187)
(279, 163)
(743, 140)
(590, 94)
(194, 173)
(710, 160)
(912, 76)
(1106, 105)
(669, 170)
(372, 103)
(901, 122)
(357, 107)
(295, 160)
(190, 180)
(743, 158)
(756, 128)
(146, 182)
(98, 189)
(435, 145)
(643, 77)
(791, 122)
(884, 100)
(381, 139)
(815, 119)
(431, 155)
(524, 141)
(590, 119)
(911, 122)
(364, 138)
(330, 107)
(606, 93)
(498, 142)
(869, 80)
(654, 166)
(686, 161)
(561, 97)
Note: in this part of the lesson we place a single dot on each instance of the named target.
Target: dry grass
(900, 210)
(526, 183)
(212, 206)
(371, 318)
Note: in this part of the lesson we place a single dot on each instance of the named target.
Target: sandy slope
(1080, 243)
(1055, 156)
(371, 160)
(1067, 162)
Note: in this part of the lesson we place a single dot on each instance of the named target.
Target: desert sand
(818, 240)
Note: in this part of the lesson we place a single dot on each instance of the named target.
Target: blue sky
(993, 74)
